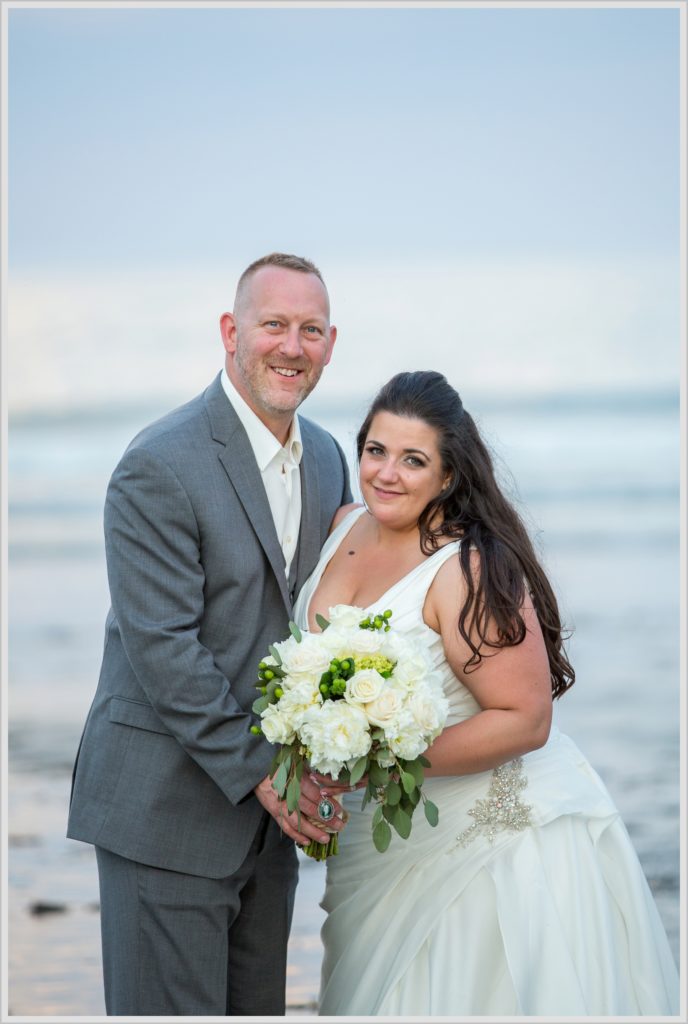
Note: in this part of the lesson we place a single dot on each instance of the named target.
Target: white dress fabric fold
(527, 899)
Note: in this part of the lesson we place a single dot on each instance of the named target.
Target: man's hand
(311, 794)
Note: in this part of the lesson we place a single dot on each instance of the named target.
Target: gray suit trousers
(184, 945)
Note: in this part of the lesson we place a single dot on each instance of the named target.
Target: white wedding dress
(527, 899)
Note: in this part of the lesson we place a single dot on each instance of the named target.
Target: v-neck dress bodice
(406, 598)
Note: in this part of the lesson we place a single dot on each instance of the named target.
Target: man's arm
(157, 588)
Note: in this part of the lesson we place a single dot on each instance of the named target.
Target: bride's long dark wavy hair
(473, 507)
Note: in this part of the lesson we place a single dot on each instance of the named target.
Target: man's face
(278, 340)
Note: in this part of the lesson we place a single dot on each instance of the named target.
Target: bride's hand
(334, 785)
(305, 831)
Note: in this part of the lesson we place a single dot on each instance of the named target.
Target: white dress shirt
(279, 469)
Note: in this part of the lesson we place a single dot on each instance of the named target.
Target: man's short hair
(279, 259)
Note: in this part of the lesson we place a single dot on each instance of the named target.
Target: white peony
(334, 732)
(295, 702)
(364, 686)
(412, 667)
(428, 711)
(407, 742)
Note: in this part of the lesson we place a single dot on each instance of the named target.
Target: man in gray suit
(214, 518)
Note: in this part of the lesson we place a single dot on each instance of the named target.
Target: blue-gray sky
(510, 143)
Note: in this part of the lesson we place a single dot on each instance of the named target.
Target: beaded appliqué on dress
(501, 809)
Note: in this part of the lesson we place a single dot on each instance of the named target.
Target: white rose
(305, 661)
(276, 726)
(334, 732)
(364, 686)
(345, 616)
(411, 667)
(366, 641)
(385, 709)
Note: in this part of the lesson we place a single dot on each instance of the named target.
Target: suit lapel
(238, 460)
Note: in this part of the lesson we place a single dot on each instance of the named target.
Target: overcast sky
(497, 185)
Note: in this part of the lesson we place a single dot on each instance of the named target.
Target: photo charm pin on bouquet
(358, 701)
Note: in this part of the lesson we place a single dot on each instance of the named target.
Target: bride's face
(400, 469)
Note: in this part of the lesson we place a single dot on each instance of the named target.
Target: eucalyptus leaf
(393, 793)
(402, 822)
(424, 761)
(431, 813)
(280, 780)
(293, 794)
(408, 782)
(415, 768)
(260, 704)
(377, 817)
(275, 653)
(382, 836)
(298, 770)
(295, 632)
(322, 621)
(414, 797)
(377, 775)
(358, 770)
(388, 812)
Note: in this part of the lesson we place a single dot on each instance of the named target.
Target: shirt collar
(263, 442)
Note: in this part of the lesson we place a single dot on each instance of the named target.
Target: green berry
(278, 692)
(269, 674)
(256, 730)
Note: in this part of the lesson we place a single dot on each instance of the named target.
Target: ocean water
(596, 478)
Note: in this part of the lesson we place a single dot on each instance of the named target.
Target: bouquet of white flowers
(356, 700)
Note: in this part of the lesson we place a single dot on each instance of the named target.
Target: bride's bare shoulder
(342, 512)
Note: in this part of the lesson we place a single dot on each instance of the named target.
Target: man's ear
(333, 338)
(228, 332)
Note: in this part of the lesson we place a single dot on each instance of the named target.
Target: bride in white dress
(528, 897)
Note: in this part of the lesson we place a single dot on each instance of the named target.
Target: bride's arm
(511, 684)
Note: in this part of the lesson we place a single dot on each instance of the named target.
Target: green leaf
(298, 771)
(367, 797)
(424, 761)
(275, 653)
(322, 621)
(408, 782)
(414, 768)
(280, 780)
(414, 797)
(402, 822)
(378, 734)
(382, 836)
(393, 793)
(293, 794)
(260, 704)
(377, 817)
(358, 770)
(295, 632)
(377, 775)
(431, 813)
(388, 812)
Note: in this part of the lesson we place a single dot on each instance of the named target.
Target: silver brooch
(501, 809)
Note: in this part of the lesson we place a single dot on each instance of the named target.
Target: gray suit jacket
(167, 764)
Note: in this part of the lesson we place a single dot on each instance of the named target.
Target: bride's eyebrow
(406, 451)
